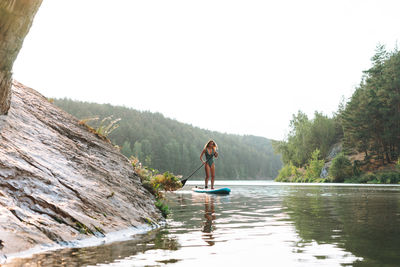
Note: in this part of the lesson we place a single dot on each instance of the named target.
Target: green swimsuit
(209, 157)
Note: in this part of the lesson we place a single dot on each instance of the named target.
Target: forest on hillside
(368, 123)
(168, 145)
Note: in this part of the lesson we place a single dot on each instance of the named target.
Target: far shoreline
(274, 183)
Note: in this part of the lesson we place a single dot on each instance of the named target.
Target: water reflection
(105, 254)
(363, 221)
(280, 225)
(209, 215)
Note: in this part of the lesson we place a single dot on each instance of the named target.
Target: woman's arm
(201, 156)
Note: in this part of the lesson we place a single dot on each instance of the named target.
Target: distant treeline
(168, 145)
(368, 122)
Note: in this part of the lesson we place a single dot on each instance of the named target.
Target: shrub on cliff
(340, 169)
(166, 181)
(388, 177)
(311, 173)
(104, 128)
(289, 173)
(155, 183)
(315, 165)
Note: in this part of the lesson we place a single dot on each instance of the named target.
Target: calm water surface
(259, 224)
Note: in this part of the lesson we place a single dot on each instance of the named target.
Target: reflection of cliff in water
(153, 240)
(365, 223)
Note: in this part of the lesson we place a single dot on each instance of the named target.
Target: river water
(259, 224)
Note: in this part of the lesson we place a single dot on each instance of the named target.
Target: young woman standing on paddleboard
(210, 150)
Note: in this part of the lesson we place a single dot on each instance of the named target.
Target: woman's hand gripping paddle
(183, 181)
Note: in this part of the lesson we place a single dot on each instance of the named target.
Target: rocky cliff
(59, 181)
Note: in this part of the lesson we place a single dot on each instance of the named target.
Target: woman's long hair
(215, 147)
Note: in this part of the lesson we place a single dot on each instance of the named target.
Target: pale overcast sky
(240, 67)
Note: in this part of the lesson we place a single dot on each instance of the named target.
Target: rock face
(59, 181)
(333, 152)
(16, 17)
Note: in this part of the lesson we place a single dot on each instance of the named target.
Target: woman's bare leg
(212, 175)
(207, 168)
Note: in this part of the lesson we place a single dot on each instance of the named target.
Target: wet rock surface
(58, 181)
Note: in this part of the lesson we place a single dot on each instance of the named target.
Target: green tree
(371, 119)
(306, 136)
(315, 165)
(126, 149)
(340, 168)
(137, 151)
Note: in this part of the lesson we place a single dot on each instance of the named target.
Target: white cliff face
(60, 182)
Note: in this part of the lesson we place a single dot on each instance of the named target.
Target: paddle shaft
(183, 181)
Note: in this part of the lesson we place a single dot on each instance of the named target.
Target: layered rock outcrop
(59, 181)
(16, 17)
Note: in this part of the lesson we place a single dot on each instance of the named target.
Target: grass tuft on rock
(157, 183)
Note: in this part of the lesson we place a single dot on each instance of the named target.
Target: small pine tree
(126, 149)
(314, 168)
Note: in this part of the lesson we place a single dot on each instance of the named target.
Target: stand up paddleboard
(220, 191)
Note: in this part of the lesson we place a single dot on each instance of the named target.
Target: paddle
(183, 181)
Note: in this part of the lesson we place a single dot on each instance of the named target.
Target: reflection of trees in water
(209, 215)
(157, 239)
(363, 222)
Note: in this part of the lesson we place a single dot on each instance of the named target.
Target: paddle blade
(184, 182)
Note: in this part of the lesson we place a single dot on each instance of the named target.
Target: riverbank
(340, 167)
(389, 176)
